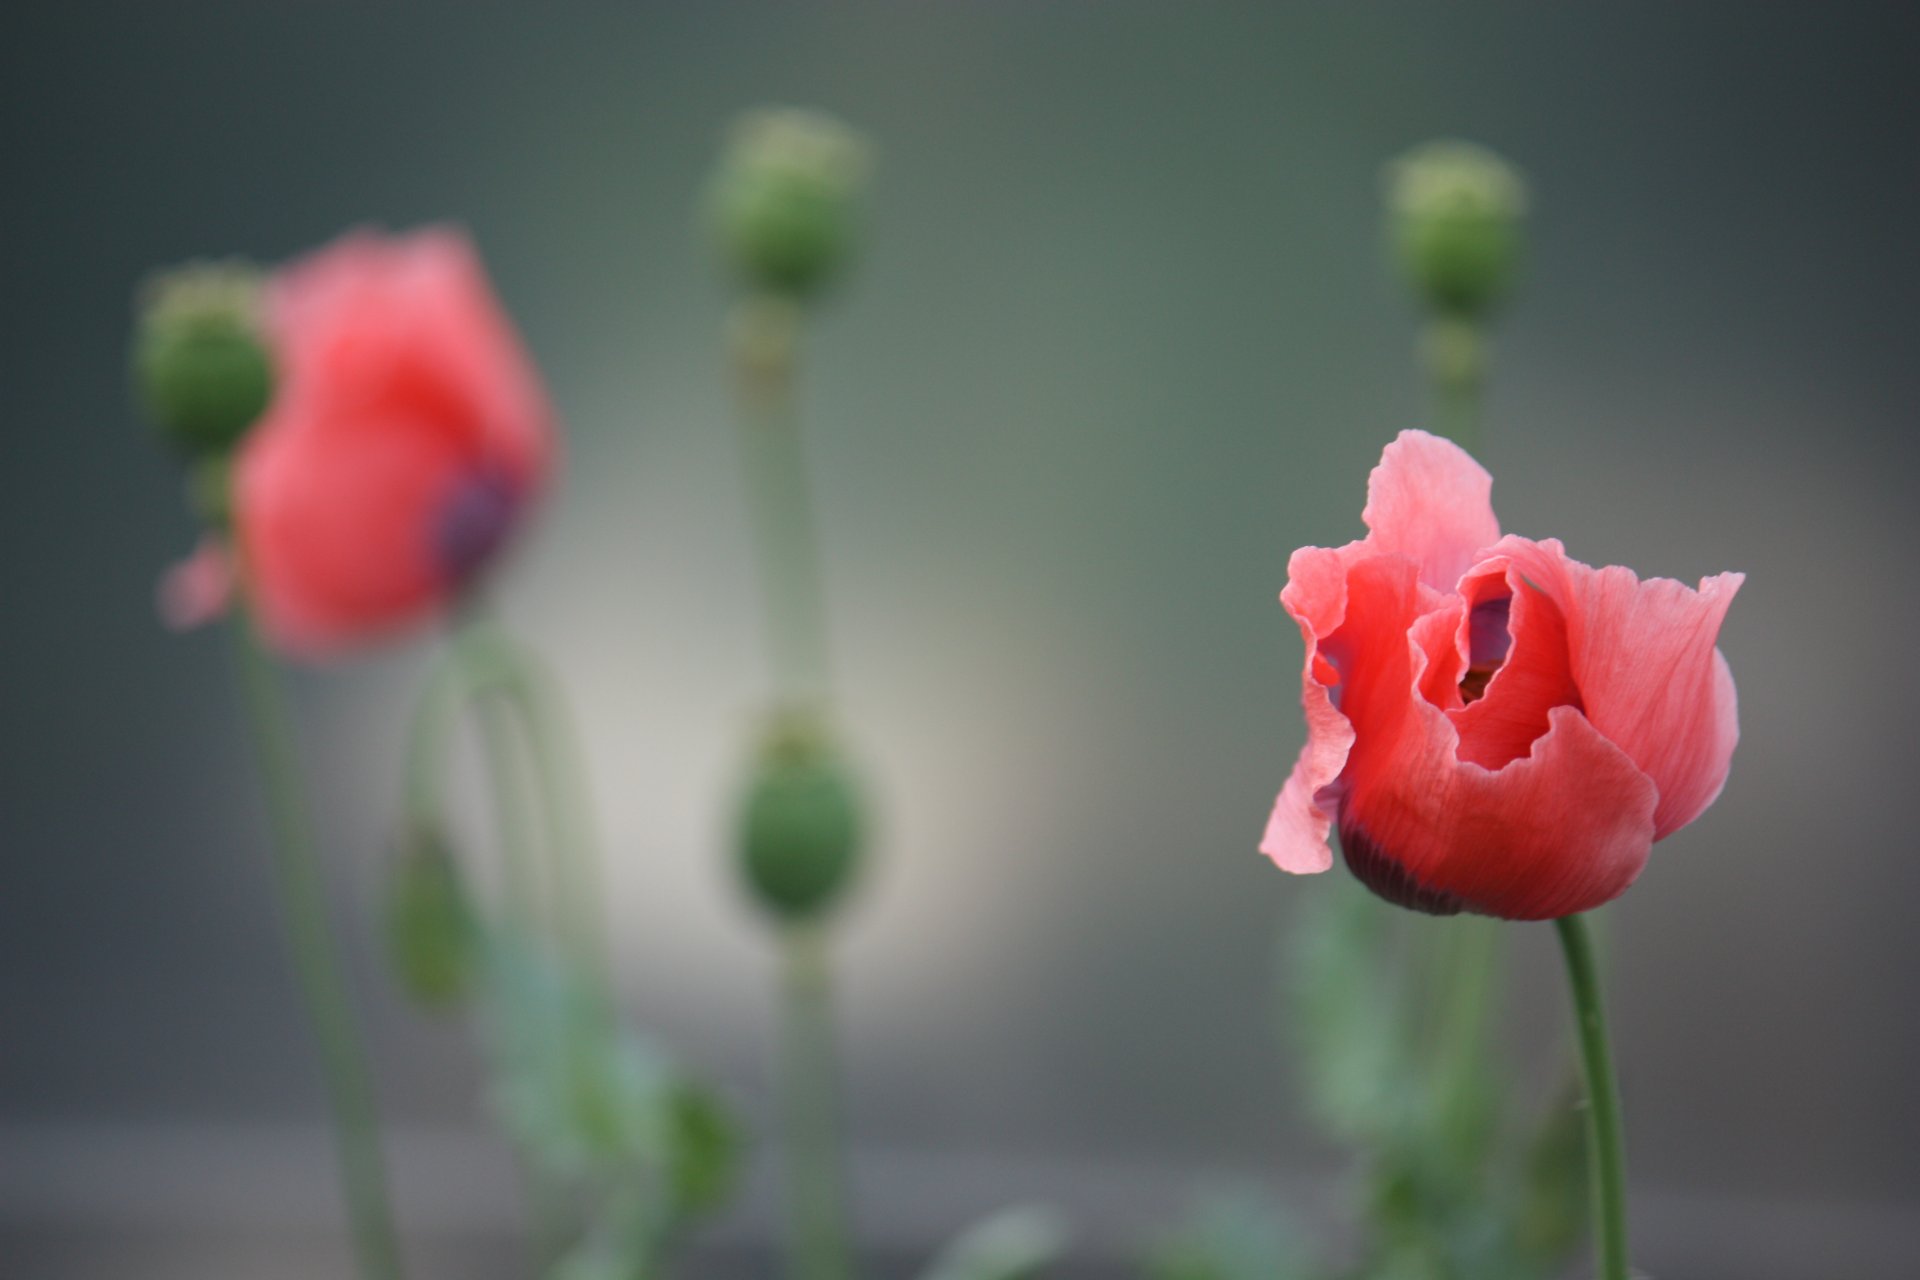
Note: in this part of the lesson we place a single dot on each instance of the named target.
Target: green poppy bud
(783, 201)
(1455, 211)
(800, 826)
(200, 361)
(433, 935)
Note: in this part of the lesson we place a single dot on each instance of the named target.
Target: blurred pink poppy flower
(1495, 727)
(407, 434)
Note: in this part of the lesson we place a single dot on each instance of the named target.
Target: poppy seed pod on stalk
(800, 822)
(200, 359)
(1455, 214)
(783, 202)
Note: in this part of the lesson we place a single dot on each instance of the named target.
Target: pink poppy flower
(1495, 727)
(407, 433)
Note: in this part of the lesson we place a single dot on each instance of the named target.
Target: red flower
(407, 433)
(1496, 728)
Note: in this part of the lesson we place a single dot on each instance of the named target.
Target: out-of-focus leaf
(644, 1148)
(704, 1150)
(1018, 1243)
(1345, 1016)
(1551, 1207)
(1231, 1236)
(433, 936)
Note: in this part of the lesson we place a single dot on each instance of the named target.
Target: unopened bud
(432, 932)
(200, 361)
(784, 199)
(1456, 211)
(800, 828)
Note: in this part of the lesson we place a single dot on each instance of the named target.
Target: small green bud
(783, 201)
(200, 361)
(1456, 211)
(433, 935)
(800, 828)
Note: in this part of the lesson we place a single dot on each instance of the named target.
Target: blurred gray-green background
(1123, 337)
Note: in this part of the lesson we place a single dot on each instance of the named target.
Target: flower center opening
(1488, 641)
(473, 521)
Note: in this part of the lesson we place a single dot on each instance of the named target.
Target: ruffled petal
(340, 539)
(1429, 500)
(1650, 678)
(1301, 820)
(1562, 829)
(371, 317)
(1534, 677)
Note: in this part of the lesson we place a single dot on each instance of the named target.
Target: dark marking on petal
(474, 520)
(1387, 877)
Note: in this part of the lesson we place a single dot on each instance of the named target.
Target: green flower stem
(495, 727)
(765, 340)
(1606, 1151)
(1454, 349)
(816, 1197)
(529, 705)
(516, 708)
(299, 881)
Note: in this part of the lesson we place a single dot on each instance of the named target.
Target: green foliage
(432, 936)
(1232, 1236)
(614, 1125)
(1406, 1072)
(1018, 1243)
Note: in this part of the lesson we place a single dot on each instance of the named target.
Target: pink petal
(198, 589)
(1535, 678)
(1562, 829)
(1297, 829)
(1651, 680)
(337, 531)
(1429, 500)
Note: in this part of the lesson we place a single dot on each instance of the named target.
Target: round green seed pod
(800, 829)
(1456, 212)
(200, 361)
(784, 200)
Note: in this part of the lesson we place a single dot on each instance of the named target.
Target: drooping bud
(1455, 211)
(800, 825)
(433, 934)
(200, 360)
(783, 202)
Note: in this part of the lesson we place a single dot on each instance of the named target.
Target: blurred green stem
(1454, 349)
(1607, 1155)
(816, 1200)
(765, 340)
(529, 698)
(301, 886)
(515, 711)
(515, 706)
